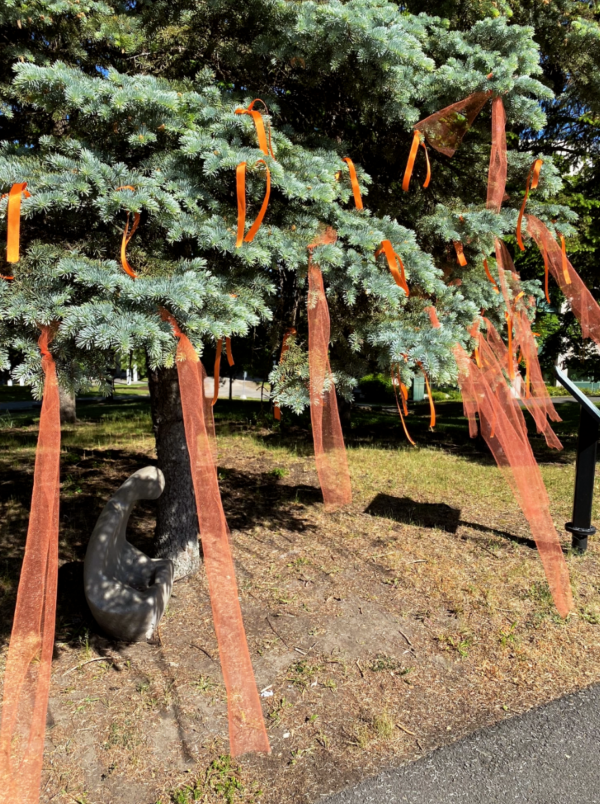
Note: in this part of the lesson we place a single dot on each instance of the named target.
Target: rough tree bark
(176, 535)
(67, 406)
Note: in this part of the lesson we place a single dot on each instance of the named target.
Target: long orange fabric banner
(29, 661)
(485, 391)
(246, 724)
(330, 451)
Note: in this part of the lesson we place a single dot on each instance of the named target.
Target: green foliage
(339, 78)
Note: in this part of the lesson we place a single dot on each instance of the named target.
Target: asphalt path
(550, 755)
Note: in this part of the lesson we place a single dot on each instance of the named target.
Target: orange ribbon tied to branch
(533, 178)
(354, 182)
(489, 276)
(241, 203)
(401, 394)
(460, 254)
(395, 264)
(431, 402)
(417, 140)
(217, 371)
(284, 348)
(266, 146)
(564, 261)
(17, 191)
(127, 235)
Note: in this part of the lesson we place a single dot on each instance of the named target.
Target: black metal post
(585, 469)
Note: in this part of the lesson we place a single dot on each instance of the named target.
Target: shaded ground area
(377, 633)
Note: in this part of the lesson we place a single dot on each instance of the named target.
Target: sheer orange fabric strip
(538, 401)
(284, 347)
(265, 146)
(394, 261)
(540, 406)
(29, 660)
(445, 129)
(486, 392)
(498, 157)
(246, 724)
(585, 308)
(411, 162)
(354, 182)
(241, 204)
(330, 451)
(533, 178)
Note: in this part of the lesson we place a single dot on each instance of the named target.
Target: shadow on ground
(433, 515)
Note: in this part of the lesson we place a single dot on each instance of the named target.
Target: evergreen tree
(341, 79)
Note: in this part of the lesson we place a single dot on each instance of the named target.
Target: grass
(423, 604)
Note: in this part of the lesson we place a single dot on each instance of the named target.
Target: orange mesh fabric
(503, 427)
(246, 725)
(498, 158)
(534, 394)
(29, 660)
(330, 451)
(584, 306)
(445, 129)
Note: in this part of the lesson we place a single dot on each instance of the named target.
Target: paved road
(550, 755)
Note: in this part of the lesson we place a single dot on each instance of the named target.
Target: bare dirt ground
(377, 633)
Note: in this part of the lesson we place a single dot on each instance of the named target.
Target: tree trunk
(176, 535)
(345, 410)
(67, 406)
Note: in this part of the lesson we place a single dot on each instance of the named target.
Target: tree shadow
(380, 426)
(88, 480)
(433, 515)
(259, 498)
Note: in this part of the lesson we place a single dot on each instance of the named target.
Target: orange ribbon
(393, 261)
(396, 383)
(241, 203)
(265, 147)
(218, 365)
(431, 404)
(460, 254)
(489, 275)
(533, 178)
(16, 192)
(411, 161)
(565, 264)
(284, 347)
(354, 182)
(127, 235)
(432, 313)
